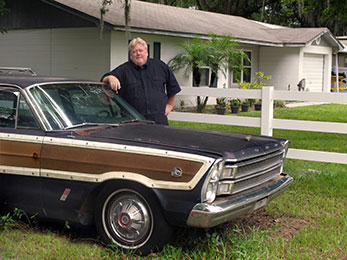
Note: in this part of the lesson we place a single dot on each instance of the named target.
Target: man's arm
(169, 104)
(113, 82)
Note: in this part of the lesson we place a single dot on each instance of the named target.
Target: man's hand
(168, 109)
(113, 82)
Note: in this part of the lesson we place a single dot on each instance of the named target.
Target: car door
(20, 149)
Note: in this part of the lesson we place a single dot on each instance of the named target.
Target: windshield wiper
(88, 124)
(136, 120)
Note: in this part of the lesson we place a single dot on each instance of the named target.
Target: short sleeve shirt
(147, 88)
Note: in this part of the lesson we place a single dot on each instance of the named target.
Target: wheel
(131, 219)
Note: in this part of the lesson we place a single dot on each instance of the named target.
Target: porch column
(337, 72)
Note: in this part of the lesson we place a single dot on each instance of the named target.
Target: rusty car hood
(203, 142)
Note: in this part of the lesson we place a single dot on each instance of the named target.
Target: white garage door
(313, 72)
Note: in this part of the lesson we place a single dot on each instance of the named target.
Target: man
(147, 84)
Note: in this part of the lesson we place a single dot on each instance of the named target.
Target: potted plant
(245, 105)
(235, 105)
(220, 106)
(251, 101)
(257, 105)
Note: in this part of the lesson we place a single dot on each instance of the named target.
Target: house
(340, 66)
(62, 38)
(342, 55)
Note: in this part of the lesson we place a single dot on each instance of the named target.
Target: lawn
(309, 221)
(299, 139)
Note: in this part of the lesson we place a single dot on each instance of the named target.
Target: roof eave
(83, 15)
(338, 46)
(203, 36)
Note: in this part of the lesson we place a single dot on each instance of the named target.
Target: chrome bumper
(208, 215)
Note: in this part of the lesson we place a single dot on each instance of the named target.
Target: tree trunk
(196, 76)
(213, 78)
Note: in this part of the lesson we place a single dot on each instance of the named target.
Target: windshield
(69, 105)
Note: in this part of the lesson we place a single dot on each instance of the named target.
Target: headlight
(228, 171)
(285, 146)
(210, 187)
(211, 191)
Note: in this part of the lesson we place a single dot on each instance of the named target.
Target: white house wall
(118, 49)
(26, 48)
(282, 65)
(76, 52)
(80, 53)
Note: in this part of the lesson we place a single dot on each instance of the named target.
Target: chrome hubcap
(130, 219)
(124, 220)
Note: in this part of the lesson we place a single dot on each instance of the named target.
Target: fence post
(267, 110)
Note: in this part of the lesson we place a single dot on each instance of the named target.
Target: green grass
(324, 112)
(299, 139)
(308, 221)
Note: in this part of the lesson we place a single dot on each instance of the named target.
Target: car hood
(209, 143)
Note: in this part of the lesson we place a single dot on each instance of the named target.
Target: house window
(245, 75)
(204, 77)
(156, 50)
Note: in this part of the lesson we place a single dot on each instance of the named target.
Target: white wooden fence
(267, 123)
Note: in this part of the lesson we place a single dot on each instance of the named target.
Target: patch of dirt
(281, 227)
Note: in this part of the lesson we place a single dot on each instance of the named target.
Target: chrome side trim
(80, 176)
(209, 215)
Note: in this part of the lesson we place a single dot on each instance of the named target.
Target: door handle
(35, 156)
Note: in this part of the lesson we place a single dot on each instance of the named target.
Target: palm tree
(191, 58)
(222, 55)
(219, 53)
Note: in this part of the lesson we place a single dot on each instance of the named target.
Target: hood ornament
(177, 172)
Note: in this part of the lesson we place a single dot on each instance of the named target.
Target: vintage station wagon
(76, 151)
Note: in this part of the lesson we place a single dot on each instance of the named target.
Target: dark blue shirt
(147, 88)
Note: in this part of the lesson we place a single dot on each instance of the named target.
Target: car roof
(26, 81)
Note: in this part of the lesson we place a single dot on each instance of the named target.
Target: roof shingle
(168, 19)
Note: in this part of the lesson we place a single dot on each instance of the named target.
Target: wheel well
(89, 203)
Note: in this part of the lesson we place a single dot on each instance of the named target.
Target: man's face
(139, 54)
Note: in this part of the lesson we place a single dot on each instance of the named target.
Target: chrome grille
(248, 174)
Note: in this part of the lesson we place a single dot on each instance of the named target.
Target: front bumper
(208, 215)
